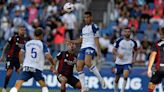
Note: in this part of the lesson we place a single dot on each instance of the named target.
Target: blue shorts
(26, 75)
(121, 68)
(86, 51)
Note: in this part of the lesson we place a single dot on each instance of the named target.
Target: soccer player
(34, 54)
(156, 55)
(89, 41)
(67, 60)
(11, 51)
(123, 50)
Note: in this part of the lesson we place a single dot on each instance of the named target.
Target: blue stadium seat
(110, 57)
(151, 6)
(140, 36)
(155, 26)
(110, 27)
(54, 54)
(26, 2)
(143, 26)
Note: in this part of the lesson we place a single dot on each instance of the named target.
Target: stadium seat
(155, 26)
(110, 27)
(110, 57)
(140, 36)
(143, 26)
(151, 6)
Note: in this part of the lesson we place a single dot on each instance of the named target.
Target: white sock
(115, 87)
(123, 86)
(82, 78)
(44, 89)
(95, 72)
(14, 89)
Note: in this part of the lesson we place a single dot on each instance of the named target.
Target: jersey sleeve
(45, 49)
(95, 29)
(154, 47)
(135, 45)
(59, 56)
(116, 44)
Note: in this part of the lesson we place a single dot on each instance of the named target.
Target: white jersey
(126, 48)
(88, 34)
(35, 51)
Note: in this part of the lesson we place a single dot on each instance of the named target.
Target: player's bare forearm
(77, 41)
(151, 59)
(21, 56)
(53, 67)
(50, 59)
(135, 56)
(114, 52)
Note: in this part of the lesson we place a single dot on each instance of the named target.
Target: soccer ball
(68, 7)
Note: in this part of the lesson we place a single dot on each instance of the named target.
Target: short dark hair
(38, 31)
(88, 13)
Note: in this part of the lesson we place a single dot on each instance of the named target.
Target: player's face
(87, 19)
(71, 47)
(127, 33)
(21, 31)
(41, 37)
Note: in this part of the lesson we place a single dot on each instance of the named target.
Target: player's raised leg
(93, 68)
(81, 75)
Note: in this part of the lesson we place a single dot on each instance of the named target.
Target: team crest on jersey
(69, 62)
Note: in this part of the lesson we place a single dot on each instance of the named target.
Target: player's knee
(151, 85)
(9, 72)
(63, 83)
(116, 80)
(79, 69)
(88, 64)
(78, 85)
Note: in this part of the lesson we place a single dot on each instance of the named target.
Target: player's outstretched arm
(53, 68)
(135, 56)
(150, 64)
(77, 41)
(4, 51)
(21, 56)
(52, 61)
